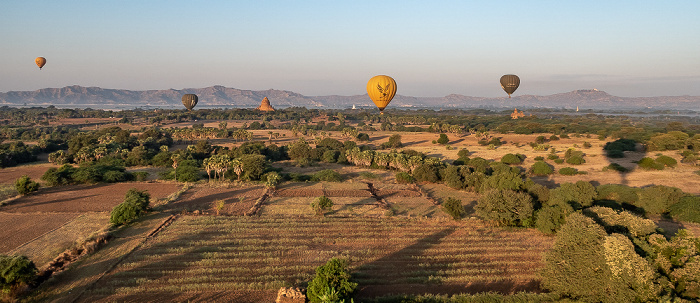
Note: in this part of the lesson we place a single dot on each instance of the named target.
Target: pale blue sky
(431, 48)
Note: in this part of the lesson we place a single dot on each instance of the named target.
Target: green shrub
(330, 156)
(538, 191)
(443, 139)
(454, 208)
(362, 137)
(187, 173)
(586, 144)
(616, 167)
(587, 265)
(687, 209)
(617, 192)
(394, 142)
(575, 160)
(657, 199)
(622, 222)
(272, 179)
(24, 185)
(578, 195)
(512, 158)
(59, 176)
(568, 171)
(552, 156)
(550, 218)
(505, 180)
(621, 145)
(553, 138)
(650, 164)
(321, 204)
(463, 153)
(135, 203)
(404, 178)
(254, 167)
(539, 158)
(426, 173)
(541, 169)
(140, 175)
(506, 207)
(559, 161)
(667, 161)
(368, 175)
(114, 176)
(16, 270)
(328, 175)
(331, 283)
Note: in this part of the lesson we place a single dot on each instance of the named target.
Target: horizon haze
(432, 49)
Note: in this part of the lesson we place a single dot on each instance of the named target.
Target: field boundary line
(114, 265)
(269, 193)
(46, 233)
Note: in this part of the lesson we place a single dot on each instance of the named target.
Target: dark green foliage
(443, 139)
(452, 176)
(300, 151)
(463, 153)
(404, 178)
(454, 208)
(616, 167)
(576, 266)
(24, 185)
(586, 144)
(552, 156)
(539, 158)
(550, 218)
(578, 195)
(135, 203)
(512, 158)
(479, 164)
(667, 161)
(504, 180)
(677, 261)
(615, 149)
(59, 176)
(568, 171)
(559, 161)
(650, 164)
(538, 191)
(16, 270)
(321, 204)
(553, 138)
(297, 177)
(540, 168)
(506, 207)
(362, 137)
(657, 199)
(575, 160)
(330, 144)
(617, 192)
(254, 167)
(140, 175)
(426, 173)
(394, 142)
(614, 153)
(333, 277)
(687, 209)
(328, 175)
(330, 156)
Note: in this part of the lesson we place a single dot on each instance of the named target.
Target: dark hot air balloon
(189, 100)
(381, 89)
(510, 83)
(40, 62)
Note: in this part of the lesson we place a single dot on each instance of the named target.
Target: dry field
(244, 256)
(8, 175)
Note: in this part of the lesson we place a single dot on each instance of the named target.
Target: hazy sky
(431, 48)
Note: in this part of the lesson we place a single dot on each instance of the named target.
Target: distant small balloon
(40, 62)
(381, 89)
(189, 101)
(510, 83)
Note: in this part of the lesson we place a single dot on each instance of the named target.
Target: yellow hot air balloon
(189, 101)
(510, 83)
(381, 89)
(40, 62)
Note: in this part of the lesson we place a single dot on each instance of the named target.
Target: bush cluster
(16, 270)
(24, 185)
(454, 208)
(327, 175)
(506, 207)
(331, 283)
(540, 168)
(135, 203)
(321, 204)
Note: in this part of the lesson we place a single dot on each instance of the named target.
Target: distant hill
(80, 96)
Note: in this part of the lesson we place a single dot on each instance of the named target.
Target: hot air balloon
(510, 83)
(381, 89)
(40, 62)
(189, 100)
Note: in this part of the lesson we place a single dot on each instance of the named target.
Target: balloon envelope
(40, 62)
(189, 100)
(510, 83)
(381, 89)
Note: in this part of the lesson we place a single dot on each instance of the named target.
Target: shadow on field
(406, 273)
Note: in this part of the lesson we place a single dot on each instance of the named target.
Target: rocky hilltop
(80, 96)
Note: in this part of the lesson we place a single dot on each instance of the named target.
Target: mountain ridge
(218, 95)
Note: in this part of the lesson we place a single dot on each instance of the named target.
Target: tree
(331, 283)
(300, 152)
(25, 186)
(506, 207)
(540, 168)
(16, 270)
(135, 203)
(394, 142)
(454, 208)
(443, 139)
(321, 204)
